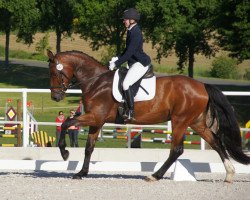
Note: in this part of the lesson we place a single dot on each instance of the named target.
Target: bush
(224, 67)
(107, 55)
(43, 44)
(247, 74)
(166, 69)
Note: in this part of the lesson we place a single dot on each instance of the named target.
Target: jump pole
(25, 125)
(19, 116)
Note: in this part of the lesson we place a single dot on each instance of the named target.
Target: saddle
(142, 90)
(135, 87)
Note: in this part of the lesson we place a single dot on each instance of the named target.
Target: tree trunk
(118, 44)
(7, 47)
(58, 41)
(191, 63)
(119, 40)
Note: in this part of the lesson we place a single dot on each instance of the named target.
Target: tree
(100, 21)
(233, 24)
(20, 16)
(57, 15)
(180, 25)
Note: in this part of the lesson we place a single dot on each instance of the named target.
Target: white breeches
(135, 72)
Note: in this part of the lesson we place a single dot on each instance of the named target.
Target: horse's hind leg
(214, 141)
(90, 144)
(175, 152)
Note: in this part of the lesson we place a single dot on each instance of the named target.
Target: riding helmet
(131, 13)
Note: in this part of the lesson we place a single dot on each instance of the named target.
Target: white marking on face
(59, 67)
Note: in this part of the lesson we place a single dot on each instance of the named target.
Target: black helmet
(131, 13)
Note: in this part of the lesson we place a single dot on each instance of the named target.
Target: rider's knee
(125, 85)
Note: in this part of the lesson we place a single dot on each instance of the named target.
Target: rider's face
(126, 22)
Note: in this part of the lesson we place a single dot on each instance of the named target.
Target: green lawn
(111, 143)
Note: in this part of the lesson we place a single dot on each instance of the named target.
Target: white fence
(26, 122)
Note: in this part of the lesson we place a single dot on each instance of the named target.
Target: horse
(183, 100)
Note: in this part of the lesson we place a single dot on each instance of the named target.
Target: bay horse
(183, 100)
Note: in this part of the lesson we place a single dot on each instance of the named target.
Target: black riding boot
(130, 104)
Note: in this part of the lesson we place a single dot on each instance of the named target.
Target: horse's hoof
(228, 181)
(76, 176)
(65, 155)
(79, 175)
(150, 179)
(229, 178)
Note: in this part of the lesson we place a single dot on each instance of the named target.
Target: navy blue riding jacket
(134, 49)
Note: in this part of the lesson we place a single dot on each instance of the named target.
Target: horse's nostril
(55, 98)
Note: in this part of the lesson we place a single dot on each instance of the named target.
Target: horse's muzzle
(57, 96)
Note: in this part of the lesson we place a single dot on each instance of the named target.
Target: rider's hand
(113, 59)
(111, 66)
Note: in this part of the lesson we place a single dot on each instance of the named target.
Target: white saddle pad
(148, 84)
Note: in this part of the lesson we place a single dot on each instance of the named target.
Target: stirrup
(130, 115)
(125, 114)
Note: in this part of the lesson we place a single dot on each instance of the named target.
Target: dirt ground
(25, 185)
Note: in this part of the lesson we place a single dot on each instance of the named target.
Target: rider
(138, 61)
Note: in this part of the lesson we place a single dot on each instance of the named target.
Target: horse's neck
(87, 75)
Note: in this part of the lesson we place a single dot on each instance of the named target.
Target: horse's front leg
(92, 137)
(62, 143)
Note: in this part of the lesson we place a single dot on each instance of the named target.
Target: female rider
(138, 61)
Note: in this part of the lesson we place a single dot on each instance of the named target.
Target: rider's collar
(131, 26)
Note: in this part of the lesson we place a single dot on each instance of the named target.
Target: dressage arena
(40, 173)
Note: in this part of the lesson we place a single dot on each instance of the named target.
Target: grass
(23, 55)
(198, 71)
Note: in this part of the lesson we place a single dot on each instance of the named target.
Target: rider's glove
(113, 59)
(111, 65)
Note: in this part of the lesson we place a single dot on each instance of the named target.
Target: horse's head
(61, 74)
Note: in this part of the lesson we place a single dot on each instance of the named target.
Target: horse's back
(181, 83)
(182, 93)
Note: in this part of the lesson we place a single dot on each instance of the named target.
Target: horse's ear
(50, 55)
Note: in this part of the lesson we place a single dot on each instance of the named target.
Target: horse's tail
(228, 130)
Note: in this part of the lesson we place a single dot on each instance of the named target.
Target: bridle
(60, 76)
